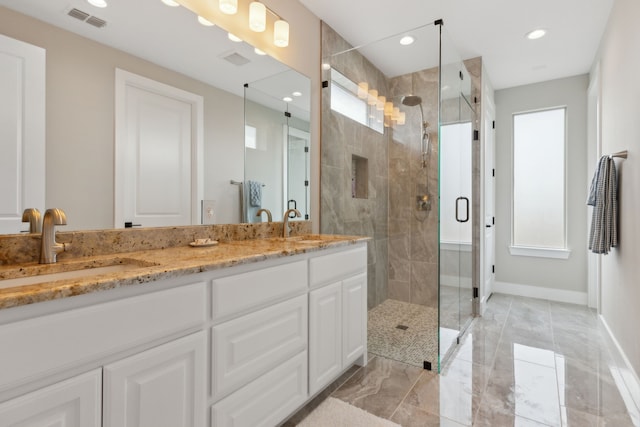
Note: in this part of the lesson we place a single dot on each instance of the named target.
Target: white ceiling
(493, 29)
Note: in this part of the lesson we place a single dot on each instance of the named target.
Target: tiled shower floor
(415, 344)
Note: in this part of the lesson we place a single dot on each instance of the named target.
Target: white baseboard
(559, 295)
(628, 376)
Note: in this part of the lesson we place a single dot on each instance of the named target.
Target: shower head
(411, 100)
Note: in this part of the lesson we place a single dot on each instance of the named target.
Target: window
(250, 137)
(539, 184)
(344, 100)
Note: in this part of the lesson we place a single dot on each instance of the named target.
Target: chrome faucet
(49, 248)
(32, 216)
(267, 211)
(285, 221)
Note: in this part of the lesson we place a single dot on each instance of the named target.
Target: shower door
(456, 135)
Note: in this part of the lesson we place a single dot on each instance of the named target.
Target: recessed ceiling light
(97, 3)
(171, 3)
(536, 34)
(234, 38)
(205, 22)
(407, 40)
(287, 99)
(296, 93)
(259, 52)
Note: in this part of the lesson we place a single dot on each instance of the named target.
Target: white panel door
(156, 152)
(325, 335)
(354, 318)
(22, 132)
(76, 402)
(488, 252)
(161, 387)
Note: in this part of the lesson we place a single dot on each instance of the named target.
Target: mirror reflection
(82, 164)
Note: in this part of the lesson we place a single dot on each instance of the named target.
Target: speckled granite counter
(151, 265)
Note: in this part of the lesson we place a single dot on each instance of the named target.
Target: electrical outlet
(208, 211)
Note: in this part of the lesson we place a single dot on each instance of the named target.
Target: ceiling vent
(84, 16)
(236, 59)
(96, 22)
(78, 14)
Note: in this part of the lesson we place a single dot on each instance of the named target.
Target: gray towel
(591, 199)
(255, 194)
(604, 220)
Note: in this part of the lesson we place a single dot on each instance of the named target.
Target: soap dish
(204, 244)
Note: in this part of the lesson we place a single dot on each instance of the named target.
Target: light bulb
(228, 7)
(402, 118)
(257, 17)
(373, 97)
(259, 52)
(388, 109)
(380, 103)
(363, 90)
(102, 3)
(281, 33)
(234, 38)
(205, 22)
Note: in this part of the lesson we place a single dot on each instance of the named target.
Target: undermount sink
(34, 275)
(301, 239)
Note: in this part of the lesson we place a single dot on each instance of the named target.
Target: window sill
(539, 252)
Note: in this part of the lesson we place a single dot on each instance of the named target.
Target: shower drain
(403, 327)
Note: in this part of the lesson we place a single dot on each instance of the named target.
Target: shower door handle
(466, 208)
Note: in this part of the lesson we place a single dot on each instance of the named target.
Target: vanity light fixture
(171, 3)
(287, 99)
(402, 118)
(281, 33)
(259, 52)
(97, 3)
(228, 7)
(296, 93)
(536, 34)
(380, 104)
(257, 16)
(407, 40)
(205, 22)
(373, 97)
(388, 109)
(363, 90)
(234, 38)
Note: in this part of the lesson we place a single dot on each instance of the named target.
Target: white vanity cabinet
(163, 386)
(75, 402)
(241, 346)
(337, 315)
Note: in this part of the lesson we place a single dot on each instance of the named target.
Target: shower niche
(359, 177)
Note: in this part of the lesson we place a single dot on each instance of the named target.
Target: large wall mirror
(150, 41)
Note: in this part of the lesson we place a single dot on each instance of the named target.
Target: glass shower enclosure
(385, 111)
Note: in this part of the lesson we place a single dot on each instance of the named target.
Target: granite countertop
(151, 265)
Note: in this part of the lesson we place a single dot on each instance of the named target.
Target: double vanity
(242, 333)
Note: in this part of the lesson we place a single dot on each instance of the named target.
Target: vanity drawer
(337, 266)
(247, 347)
(42, 346)
(266, 401)
(233, 295)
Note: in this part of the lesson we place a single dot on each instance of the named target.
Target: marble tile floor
(526, 362)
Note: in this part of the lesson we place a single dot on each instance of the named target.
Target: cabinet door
(325, 335)
(354, 318)
(75, 402)
(161, 387)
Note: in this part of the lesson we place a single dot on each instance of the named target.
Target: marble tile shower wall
(413, 234)
(342, 138)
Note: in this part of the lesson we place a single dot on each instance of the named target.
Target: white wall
(620, 94)
(544, 277)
